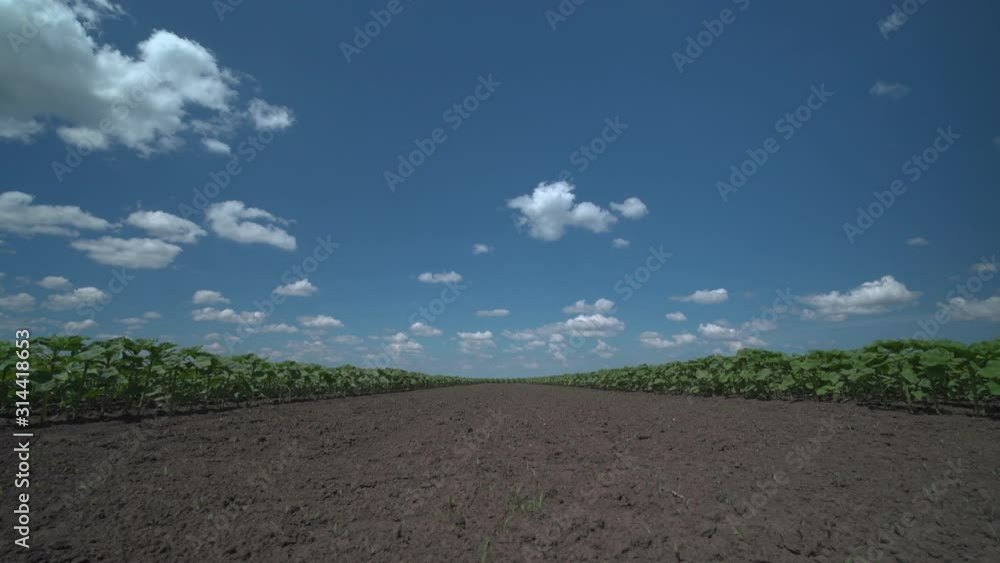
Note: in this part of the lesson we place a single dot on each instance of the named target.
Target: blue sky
(591, 150)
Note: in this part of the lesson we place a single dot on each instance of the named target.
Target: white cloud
(869, 298)
(208, 297)
(604, 350)
(18, 215)
(710, 330)
(151, 315)
(400, 343)
(421, 329)
(55, 283)
(80, 297)
(480, 248)
(228, 316)
(235, 221)
(129, 253)
(301, 288)
(987, 265)
(656, 340)
(18, 302)
(893, 90)
(348, 339)
(444, 277)
(133, 321)
(215, 348)
(917, 241)
(676, 317)
(961, 309)
(267, 117)
(493, 313)
(320, 321)
(273, 328)
(550, 210)
(600, 306)
(74, 326)
(165, 226)
(631, 208)
(92, 93)
(475, 342)
(705, 296)
(216, 146)
(620, 243)
(594, 325)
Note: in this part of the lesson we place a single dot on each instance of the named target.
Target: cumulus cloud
(600, 306)
(711, 330)
(320, 321)
(55, 283)
(594, 325)
(79, 326)
(235, 221)
(962, 309)
(136, 253)
(216, 146)
(631, 208)
(208, 297)
(656, 340)
(400, 343)
(228, 316)
(550, 209)
(480, 248)
(80, 297)
(19, 302)
(165, 226)
(475, 342)
(95, 95)
(987, 265)
(620, 243)
(301, 288)
(705, 296)
(917, 241)
(676, 317)
(493, 313)
(892, 90)
(348, 339)
(869, 298)
(443, 277)
(604, 350)
(267, 117)
(20, 216)
(421, 329)
(281, 328)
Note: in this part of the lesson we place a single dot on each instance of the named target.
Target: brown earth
(515, 473)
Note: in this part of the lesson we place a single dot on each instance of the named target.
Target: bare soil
(515, 473)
